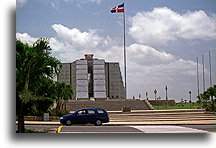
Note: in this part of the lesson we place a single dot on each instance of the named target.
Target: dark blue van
(95, 116)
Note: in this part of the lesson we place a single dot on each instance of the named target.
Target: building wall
(73, 78)
(93, 78)
(99, 82)
(82, 82)
(114, 85)
(64, 75)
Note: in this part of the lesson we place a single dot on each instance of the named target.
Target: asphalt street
(209, 128)
(126, 129)
(99, 129)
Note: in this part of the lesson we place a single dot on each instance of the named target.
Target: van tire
(68, 122)
(98, 122)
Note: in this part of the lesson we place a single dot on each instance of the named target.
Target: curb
(112, 124)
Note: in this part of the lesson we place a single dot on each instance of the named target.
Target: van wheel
(98, 123)
(68, 122)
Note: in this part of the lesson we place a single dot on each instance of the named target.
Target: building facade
(93, 78)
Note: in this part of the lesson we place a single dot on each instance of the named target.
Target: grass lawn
(184, 106)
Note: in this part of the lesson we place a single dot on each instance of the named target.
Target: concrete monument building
(93, 78)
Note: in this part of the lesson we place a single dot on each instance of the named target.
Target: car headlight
(61, 118)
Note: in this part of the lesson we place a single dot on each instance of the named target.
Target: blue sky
(73, 13)
(163, 38)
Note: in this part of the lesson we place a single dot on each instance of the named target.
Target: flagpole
(125, 58)
(198, 81)
(203, 74)
(210, 77)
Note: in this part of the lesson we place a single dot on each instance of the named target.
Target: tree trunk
(21, 125)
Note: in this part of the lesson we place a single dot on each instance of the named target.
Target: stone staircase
(109, 105)
(164, 116)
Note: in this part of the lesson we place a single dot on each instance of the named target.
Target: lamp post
(190, 98)
(166, 97)
(147, 95)
(155, 92)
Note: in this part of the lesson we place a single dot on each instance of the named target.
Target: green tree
(63, 92)
(44, 88)
(211, 91)
(214, 93)
(205, 98)
(32, 64)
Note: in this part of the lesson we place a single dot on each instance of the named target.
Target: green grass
(184, 106)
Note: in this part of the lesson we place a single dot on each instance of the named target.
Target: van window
(91, 111)
(100, 111)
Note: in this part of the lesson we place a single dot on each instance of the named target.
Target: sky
(163, 39)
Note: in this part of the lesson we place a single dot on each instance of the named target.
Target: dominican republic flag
(119, 8)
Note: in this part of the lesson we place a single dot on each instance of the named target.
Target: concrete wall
(114, 81)
(162, 102)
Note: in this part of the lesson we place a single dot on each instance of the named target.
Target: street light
(190, 98)
(147, 95)
(155, 91)
(166, 97)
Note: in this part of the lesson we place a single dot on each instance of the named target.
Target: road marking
(59, 129)
(168, 129)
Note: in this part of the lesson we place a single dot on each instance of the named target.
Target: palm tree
(63, 92)
(204, 97)
(211, 93)
(32, 63)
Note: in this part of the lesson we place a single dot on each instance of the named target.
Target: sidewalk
(151, 117)
(130, 123)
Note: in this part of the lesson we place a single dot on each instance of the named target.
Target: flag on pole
(118, 9)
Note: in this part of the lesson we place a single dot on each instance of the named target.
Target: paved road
(209, 128)
(127, 129)
(99, 129)
(136, 129)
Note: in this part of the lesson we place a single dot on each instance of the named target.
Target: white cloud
(26, 38)
(147, 68)
(95, 1)
(162, 25)
(151, 61)
(148, 55)
(53, 5)
(84, 1)
(77, 39)
(21, 3)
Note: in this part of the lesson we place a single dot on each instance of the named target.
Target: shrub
(56, 112)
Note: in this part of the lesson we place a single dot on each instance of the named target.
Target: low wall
(162, 102)
(109, 105)
(39, 118)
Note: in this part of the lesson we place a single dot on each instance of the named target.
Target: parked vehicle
(95, 116)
